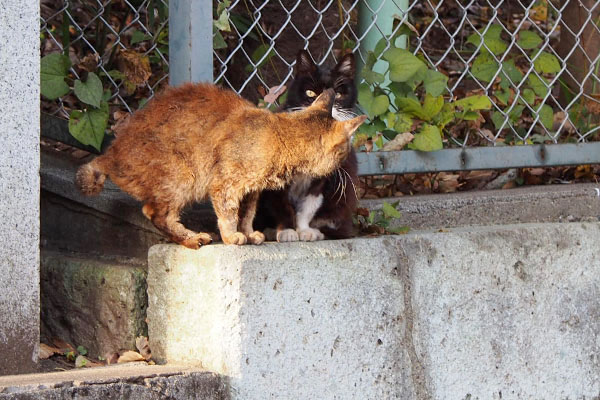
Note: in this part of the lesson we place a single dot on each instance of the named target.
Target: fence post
(19, 186)
(383, 12)
(190, 41)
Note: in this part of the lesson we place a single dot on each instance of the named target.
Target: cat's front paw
(310, 234)
(287, 235)
(256, 237)
(236, 238)
(199, 239)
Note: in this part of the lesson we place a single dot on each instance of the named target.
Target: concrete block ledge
(121, 381)
(504, 312)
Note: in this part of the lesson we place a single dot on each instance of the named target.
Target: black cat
(314, 209)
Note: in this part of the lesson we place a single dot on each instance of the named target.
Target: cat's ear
(324, 101)
(304, 64)
(346, 66)
(350, 126)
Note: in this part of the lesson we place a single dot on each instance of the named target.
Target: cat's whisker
(294, 109)
(353, 187)
(343, 114)
(339, 185)
(343, 181)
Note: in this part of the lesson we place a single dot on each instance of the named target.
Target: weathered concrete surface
(122, 381)
(19, 185)
(108, 224)
(551, 203)
(100, 305)
(510, 312)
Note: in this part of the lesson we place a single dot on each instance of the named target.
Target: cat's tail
(90, 178)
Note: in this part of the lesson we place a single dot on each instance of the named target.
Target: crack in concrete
(418, 373)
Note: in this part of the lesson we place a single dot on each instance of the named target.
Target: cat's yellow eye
(338, 95)
(310, 93)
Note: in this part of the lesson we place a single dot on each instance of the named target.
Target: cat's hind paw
(236, 238)
(256, 237)
(287, 235)
(310, 235)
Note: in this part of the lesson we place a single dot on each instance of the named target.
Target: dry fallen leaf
(130, 356)
(111, 358)
(62, 345)
(559, 117)
(90, 62)
(401, 140)
(274, 93)
(448, 183)
(48, 351)
(141, 343)
(135, 66)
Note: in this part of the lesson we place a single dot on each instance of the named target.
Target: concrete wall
(505, 312)
(19, 185)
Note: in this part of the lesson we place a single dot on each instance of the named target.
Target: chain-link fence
(124, 42)
(537, 61)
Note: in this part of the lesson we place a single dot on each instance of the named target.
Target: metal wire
(265, 35)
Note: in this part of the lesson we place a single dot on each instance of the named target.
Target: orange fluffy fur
(197, 141)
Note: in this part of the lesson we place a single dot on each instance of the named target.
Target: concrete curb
(122, 381)
(502, 312)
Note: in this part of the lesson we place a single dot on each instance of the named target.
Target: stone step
(122, 381)
(98, 304)
(501, 312)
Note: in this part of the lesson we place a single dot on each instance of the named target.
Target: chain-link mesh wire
(527, 56)
(537, 60)
(124, 42)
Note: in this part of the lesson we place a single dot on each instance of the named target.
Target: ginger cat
(197, 141)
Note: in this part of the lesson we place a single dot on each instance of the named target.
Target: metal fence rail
(537, 61)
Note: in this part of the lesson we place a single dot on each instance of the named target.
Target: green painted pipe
(383, 12)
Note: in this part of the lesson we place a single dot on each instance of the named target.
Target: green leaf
(380, 47)
(400, 89)
(516, 113)
(53, 71)
(510, 69)
(90, 91)
(498, 119)
(379, 105)
(428, 139)
(403, 123)
(403, 64)
(445, 116)
(484, 67)
(432, 105)
(222, 23)
(223, 6)
(476, 102)
(411, 107)
(257, 56)
(88, 126)
(539, 85)
(503, 96)
(491, 39)
(139, 36)
(471, 115)
(435, 82)
(399, 230)
(81, 350)
(389, 211)
(372, 77)
(376, 125)
(546, 116)
(546, 63)
(528, 40)
(373, 105)
(529, 96)
(218, 40)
